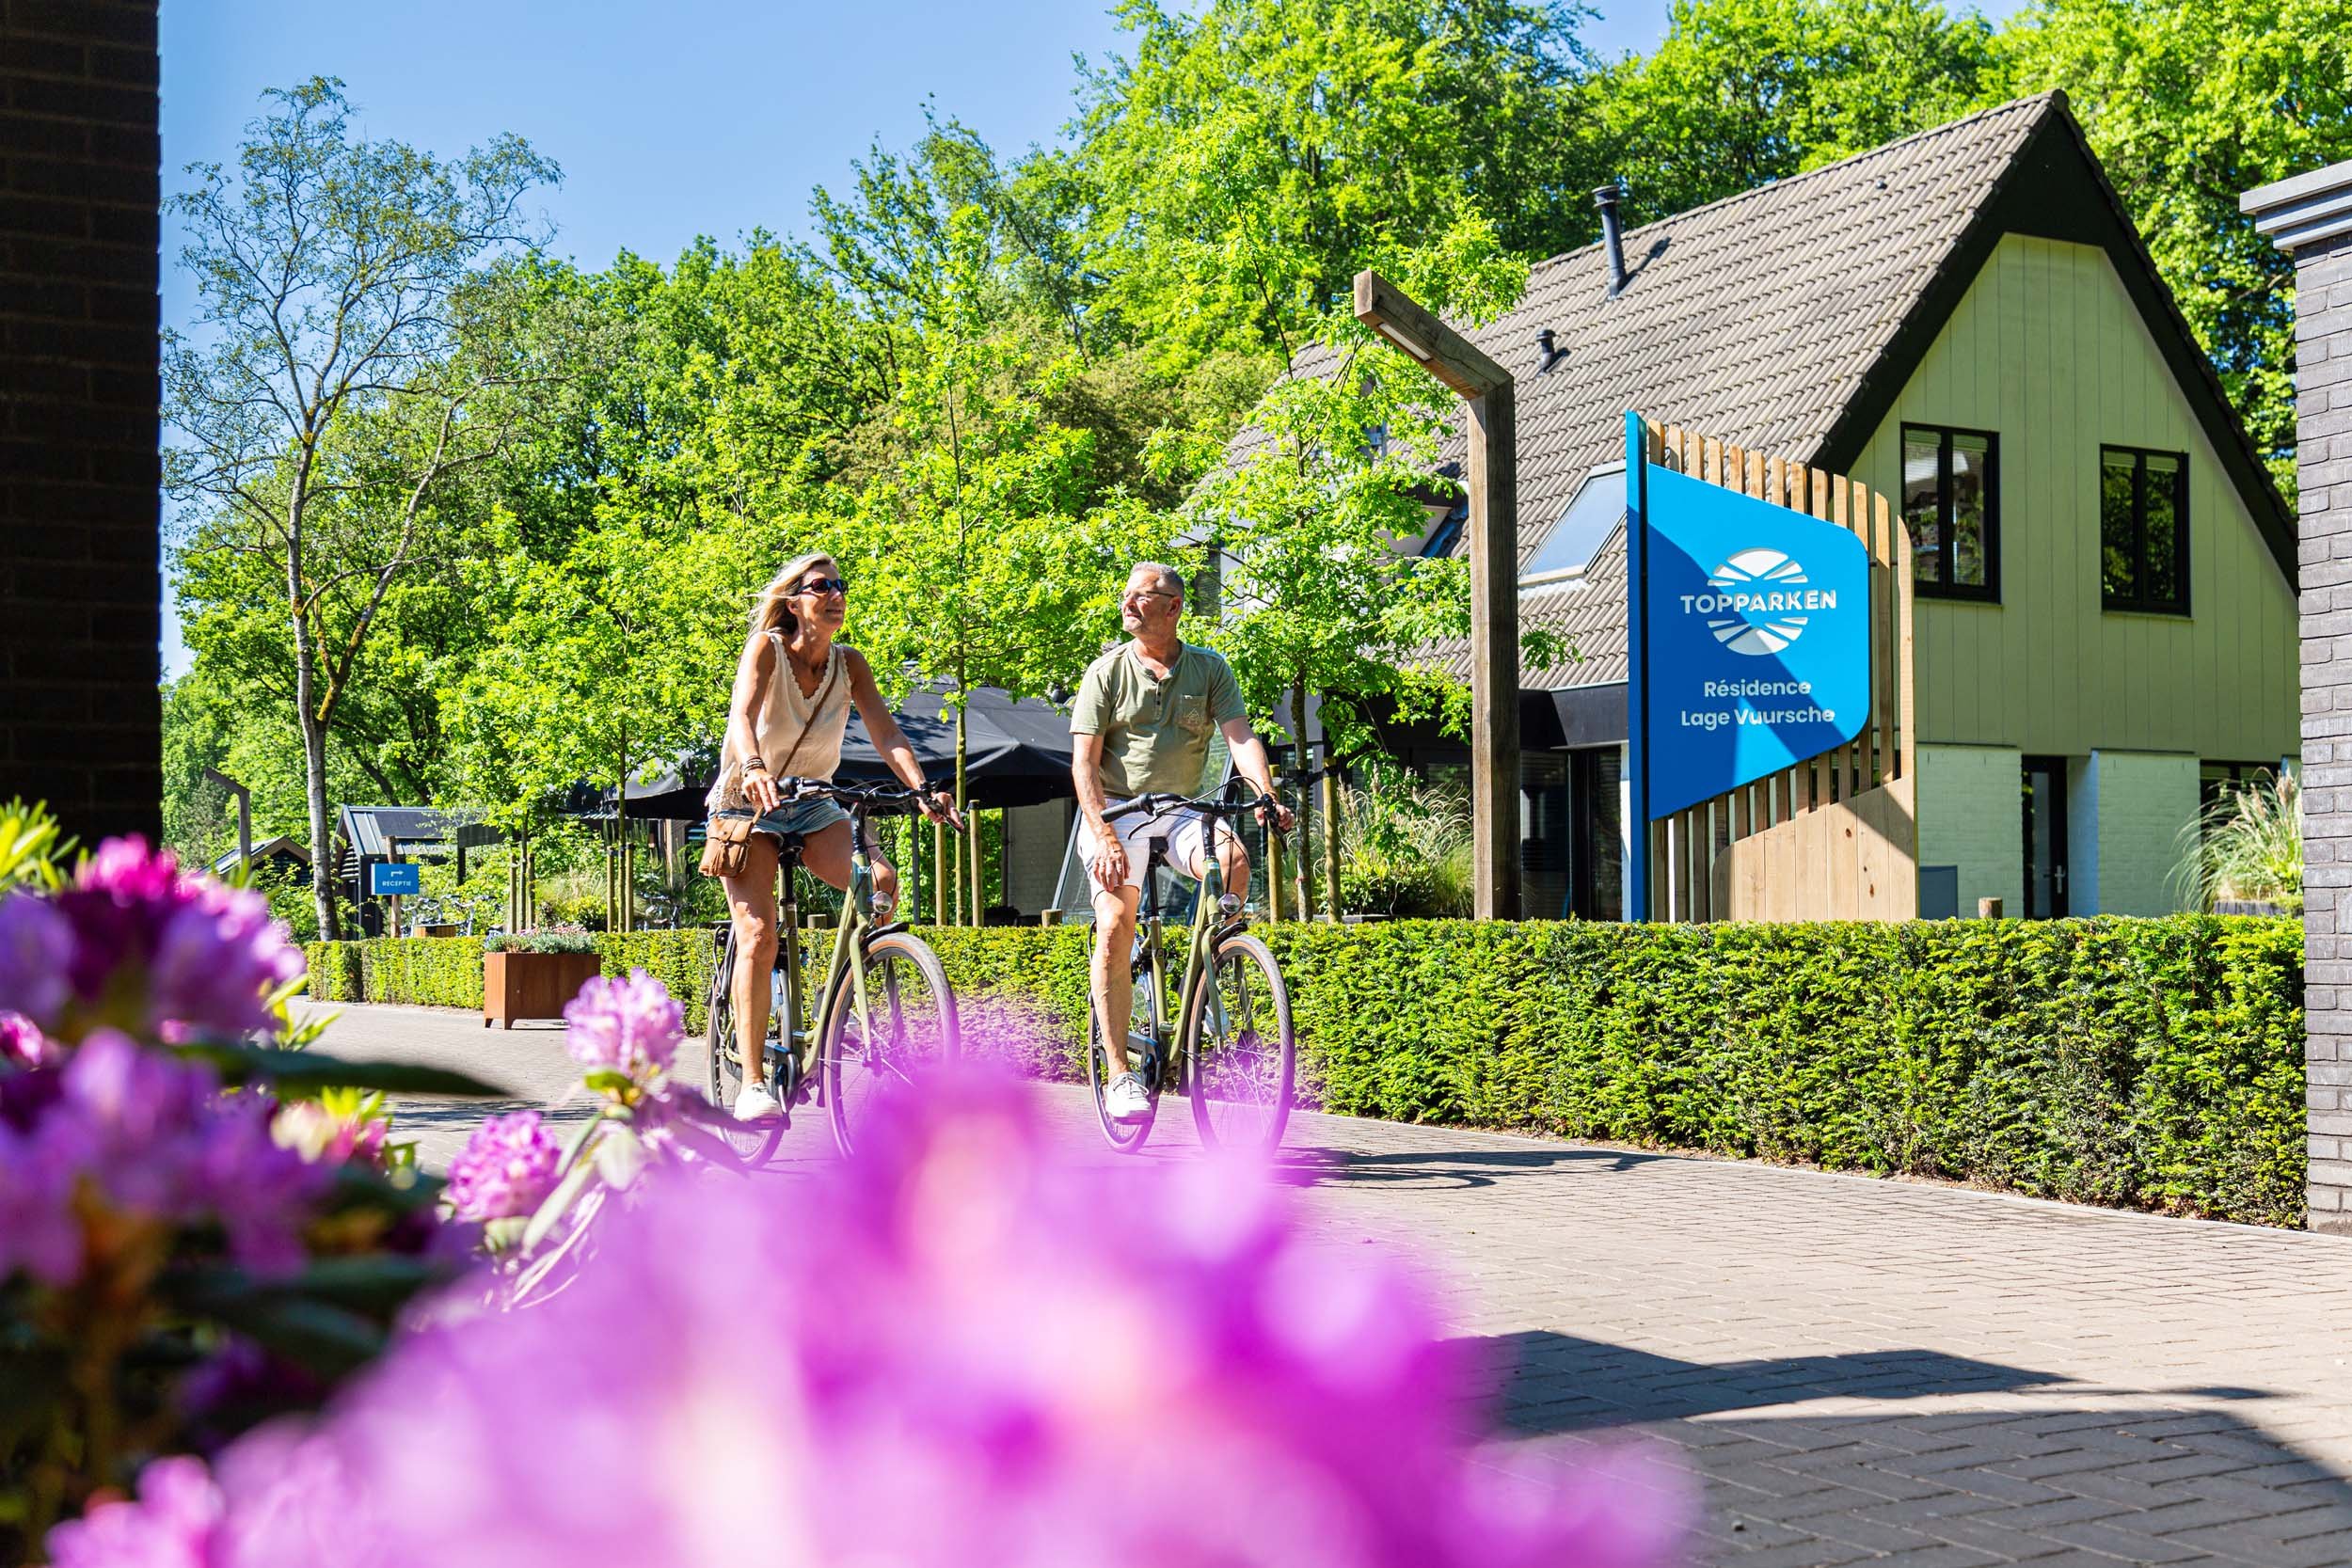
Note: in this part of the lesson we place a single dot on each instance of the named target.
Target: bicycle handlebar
(878, 800)
(1207, 805)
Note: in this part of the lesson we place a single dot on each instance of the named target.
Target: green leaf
(621, 1158)
(558, 1202)
(303, 1071)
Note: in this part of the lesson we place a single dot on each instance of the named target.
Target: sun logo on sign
(1762, 628)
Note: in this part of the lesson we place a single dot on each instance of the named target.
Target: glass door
(2045, 837)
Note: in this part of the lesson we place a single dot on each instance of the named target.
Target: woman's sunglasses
(824, 585)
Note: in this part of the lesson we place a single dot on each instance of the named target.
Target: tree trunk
(1330, 826)
(624, 917)
(323, 864)
(322, 850)
(971, 829)
(1302, 868)
(939, 874)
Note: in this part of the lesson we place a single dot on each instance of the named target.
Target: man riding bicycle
(1141, 726)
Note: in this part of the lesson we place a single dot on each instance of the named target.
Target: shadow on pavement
(1309, 1165)
(1558, 1383)
(2066, 1477)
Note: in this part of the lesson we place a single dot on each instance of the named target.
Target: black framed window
(2143, 529)
(1953, 505)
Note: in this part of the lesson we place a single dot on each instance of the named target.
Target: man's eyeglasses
(823, 585)
(1148, 594)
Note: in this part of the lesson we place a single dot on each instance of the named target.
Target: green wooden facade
(2048, 351)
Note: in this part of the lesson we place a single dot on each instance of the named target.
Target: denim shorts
(801, 816)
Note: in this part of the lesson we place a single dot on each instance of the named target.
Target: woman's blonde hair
(773, 610)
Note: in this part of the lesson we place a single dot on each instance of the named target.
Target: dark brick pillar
(2311, 218)
(79, 617)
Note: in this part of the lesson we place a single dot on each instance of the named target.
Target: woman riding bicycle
(786, 719)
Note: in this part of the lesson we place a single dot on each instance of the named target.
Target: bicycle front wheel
(906, 1029)
(754, 1143)
(1243, 1053)
(1125, 1137)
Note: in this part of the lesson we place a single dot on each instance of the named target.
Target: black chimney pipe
(1611, 235)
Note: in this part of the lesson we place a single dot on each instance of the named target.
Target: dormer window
(1569, 549)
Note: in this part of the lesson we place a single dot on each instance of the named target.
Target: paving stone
(1858, 1369)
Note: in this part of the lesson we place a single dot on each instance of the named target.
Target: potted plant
(533, 974)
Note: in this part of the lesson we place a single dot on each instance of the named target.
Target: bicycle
(879, 1022)
(1233, 1051)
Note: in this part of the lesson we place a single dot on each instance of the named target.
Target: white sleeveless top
(817, 722)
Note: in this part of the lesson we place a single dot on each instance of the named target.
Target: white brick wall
(2323, 459)
(2138, 805)
(1969, 817)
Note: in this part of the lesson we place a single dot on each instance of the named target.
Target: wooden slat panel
(1885, 642)
(1846, 760)
(1678, 868)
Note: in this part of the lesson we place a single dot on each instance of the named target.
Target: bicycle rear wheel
(908, 1030)
(1125, 1137)
(754, 1143)
(1243, 1053)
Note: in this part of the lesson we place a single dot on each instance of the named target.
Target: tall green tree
(351, 351)
(1244, 162)
(1744, 91)
(1323, 589)
(979, 558)
(2188, 107)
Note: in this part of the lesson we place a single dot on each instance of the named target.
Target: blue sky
(694, 116)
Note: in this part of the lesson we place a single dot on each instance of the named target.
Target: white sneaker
(1124, 1100)
(756, 1104)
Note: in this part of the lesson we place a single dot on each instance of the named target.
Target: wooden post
(1330, 833)
(1491, 403)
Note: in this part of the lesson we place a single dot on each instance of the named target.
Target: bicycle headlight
(883, 903)
(1229, 903)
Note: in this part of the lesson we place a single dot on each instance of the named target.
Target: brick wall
(2125, 813)
(2309, 216)
(1968, 818)
(79, 617)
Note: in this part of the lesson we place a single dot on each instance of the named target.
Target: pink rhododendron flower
(137, 945)
(506, 1169)
(36, 947)
(148, 1135)
(972, 1355)
(23, 1044)
(175, 1523)
(278, 1497)
(40, 1232)
(630, 1026)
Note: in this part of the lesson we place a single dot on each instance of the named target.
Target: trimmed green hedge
(446, 972)
(2152, 1064)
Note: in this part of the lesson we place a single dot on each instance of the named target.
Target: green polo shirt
(1155, 733)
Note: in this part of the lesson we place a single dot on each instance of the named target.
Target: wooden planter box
(533, 984)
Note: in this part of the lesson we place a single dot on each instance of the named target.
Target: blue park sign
(1750, 641)
(402, 876)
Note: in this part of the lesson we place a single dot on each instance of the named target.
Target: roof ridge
(2041, 100)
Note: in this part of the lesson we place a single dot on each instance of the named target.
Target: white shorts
(1186, 831)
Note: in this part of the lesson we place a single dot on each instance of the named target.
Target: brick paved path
(1861, 1370)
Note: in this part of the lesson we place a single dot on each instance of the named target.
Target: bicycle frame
(1207, 931)
(857, 928)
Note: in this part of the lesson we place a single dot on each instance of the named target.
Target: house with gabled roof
(1966, 319)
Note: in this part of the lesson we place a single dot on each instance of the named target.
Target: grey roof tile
(1754, 319)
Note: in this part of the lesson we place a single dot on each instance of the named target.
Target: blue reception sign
(1751, 640)
(402, 876)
